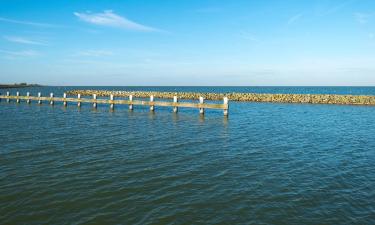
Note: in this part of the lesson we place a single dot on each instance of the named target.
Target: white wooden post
(28, 99)
(8, 99)
(65, 103)
(39, 95)
(95, 105)
(227, 106)
(131, 100)
(79, 99)
(152, 108)
(201, 101)
(18, 94)
(51, 102)
(175, 100)
(111, 106)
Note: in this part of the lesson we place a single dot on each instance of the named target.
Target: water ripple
(267, 164)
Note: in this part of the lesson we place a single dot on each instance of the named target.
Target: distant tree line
(23, 84)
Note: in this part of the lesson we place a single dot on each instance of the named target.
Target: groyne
(241, 97)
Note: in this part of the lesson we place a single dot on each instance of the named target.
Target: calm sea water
(267, 164)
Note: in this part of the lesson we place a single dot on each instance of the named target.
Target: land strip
(22, 85)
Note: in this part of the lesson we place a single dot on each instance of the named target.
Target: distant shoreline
(4, 86)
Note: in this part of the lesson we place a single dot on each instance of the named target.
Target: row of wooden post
(112, 105)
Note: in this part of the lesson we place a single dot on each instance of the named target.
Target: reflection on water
(151, 115)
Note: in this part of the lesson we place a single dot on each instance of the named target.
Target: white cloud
(20, 54)
(45, 25)
(94, 53)
(362, 18)
(294, 18)
(110, 19)
(208, 10)
(336, 8)
(248, 36)
(22, 40)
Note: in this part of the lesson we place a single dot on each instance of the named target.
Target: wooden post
(39, 95)
(175, 100)
(201, 101)
(28, 99)
(79, 99)
(226, 103)
(95, 105)
(8, 99)
(51, 102)
(131, 100)
(18, 94)
(111, 106)
(152, 108)
(65, 103)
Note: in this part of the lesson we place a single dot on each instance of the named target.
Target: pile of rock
(243, 97)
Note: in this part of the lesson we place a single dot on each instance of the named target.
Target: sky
(188, 42)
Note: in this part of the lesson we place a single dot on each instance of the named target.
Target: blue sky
(188, 42)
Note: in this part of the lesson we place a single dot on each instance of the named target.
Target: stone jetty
(241, 97)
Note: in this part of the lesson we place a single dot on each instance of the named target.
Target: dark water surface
(267, 164)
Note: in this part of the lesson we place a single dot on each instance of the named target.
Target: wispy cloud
(362, 18)
(29, 23)
(294, 18)
(94, 53)
(111, 19)
(337, 7)
(248, 36)
(22, 40)
(20, 54)
(208, 10)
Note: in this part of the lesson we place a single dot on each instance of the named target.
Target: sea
(267, 163)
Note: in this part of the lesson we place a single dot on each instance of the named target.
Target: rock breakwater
(241, 97)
